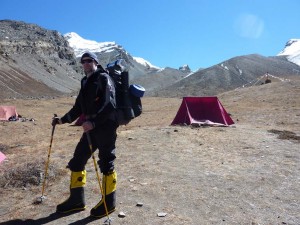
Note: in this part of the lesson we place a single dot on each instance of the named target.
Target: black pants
(103, 138)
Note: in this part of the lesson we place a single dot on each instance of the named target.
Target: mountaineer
(96, 100)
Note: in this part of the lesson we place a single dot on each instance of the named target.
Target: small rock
(121, 215)
(134, 188)
(139, 204)
(161, 214)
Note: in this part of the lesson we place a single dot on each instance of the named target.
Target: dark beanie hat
(90, 55)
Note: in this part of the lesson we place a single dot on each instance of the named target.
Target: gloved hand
(56, 120)
(87, 126)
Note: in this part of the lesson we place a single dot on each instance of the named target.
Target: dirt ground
(244, 174)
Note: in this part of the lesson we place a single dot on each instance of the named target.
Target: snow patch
(225, 67)
(145, 63)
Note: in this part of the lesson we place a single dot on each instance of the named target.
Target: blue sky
(200, 33)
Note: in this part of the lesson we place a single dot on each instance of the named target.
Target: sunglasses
(86, 61)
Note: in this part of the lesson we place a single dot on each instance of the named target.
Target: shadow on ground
(50, 218)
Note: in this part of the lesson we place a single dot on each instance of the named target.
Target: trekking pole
(47, 165)
(98, 176)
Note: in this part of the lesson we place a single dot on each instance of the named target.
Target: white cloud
(249, 26)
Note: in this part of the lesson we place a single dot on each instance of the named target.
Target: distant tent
(2, 156)
(202, 111)
(8, 112)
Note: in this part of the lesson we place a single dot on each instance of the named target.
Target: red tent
(7, 112)
(202, 111)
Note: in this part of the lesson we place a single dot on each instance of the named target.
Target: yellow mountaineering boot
(76, 201)
(109, 184)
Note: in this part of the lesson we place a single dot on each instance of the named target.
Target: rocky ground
(244, 174)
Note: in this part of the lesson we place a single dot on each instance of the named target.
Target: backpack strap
(100, 69)
(109, 90)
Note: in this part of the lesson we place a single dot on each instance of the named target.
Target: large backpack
(128, 97)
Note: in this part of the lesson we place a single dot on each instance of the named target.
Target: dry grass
(286, 135)
(22, 176)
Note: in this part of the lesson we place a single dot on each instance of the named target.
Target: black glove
(56, 120)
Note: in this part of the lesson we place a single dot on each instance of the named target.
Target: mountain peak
(81, 45)
(292, 51)
(185, 68)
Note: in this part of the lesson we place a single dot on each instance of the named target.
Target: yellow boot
(109, 185)
(76, 201)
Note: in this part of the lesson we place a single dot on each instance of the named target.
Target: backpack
(128, 97)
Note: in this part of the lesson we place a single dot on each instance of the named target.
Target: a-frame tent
(8, 112)
(202, 111)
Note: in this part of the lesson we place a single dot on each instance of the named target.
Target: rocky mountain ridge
(141, 71)
(36, 62)
(237, 72)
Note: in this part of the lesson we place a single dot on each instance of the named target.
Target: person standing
(96, 101)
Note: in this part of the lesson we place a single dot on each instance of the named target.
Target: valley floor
(243, 174)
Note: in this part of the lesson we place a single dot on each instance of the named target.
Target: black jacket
(96, 99)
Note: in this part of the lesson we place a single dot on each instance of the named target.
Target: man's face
(89, 65)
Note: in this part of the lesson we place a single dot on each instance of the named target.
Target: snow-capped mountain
(166, 80)
(292, 51)
(185, 68)
(47, 77)
(80, 45)
(141, 71)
